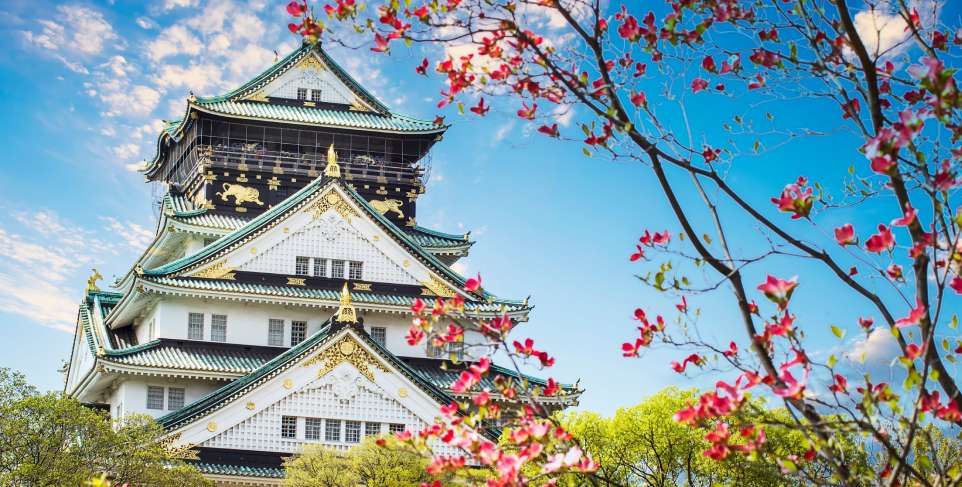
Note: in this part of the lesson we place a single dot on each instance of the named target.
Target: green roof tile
(238, 470)
(207, 357)
(321, 117)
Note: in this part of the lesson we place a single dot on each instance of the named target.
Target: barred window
(337, 269)
(218, 328)
(298, 332)
(312, 428)
(355, 270)
(275, 332)
(155, 397)
(332, 430)
(302, 93)
(456, 349)
(288, 427)
(395, 428)
(315, 95)
(175, 398)
(372, 429)
(379, 335)
(195, 326)
(301, 265)
(434, 352)
(320, 267)
(352, 431)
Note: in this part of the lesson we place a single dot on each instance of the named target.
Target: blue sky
(83, 105)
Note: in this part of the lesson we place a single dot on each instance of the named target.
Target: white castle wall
(131, 394)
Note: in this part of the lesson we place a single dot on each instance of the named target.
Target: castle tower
(271, 307)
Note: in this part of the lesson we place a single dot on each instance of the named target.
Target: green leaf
(832, 360)
(586, 152)
(838, 332)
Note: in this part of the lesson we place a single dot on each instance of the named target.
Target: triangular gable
(309, 64)
(325, 201)
(334, 374)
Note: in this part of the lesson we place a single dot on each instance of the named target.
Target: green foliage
(366, 464)
(644, 446)
(53, 440)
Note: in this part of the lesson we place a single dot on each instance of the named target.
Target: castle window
(372, 429)
(275, 332)
(332, 430)
(302, 93)
(298, 332)
(320, 267)
(155, 397)
(315, 95)
(175, 398)
(288, 427)
(312, 428)
(355, 270)
(379, 335)
(337, 269)
(434, 352)
(395, 428)
(456, 349)
(352, 431)
(195, 326)
(301, 265)
(218, 328)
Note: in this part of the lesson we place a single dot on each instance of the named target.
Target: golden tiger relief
(241, 194)
(384, 206)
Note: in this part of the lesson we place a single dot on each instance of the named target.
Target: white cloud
(172, 4)
(126, 151)
(884, 32)
(146, 23)
(172, 41)
(878, 348)
(88, 32)
(503, 131)
(123, 99)
(563, 114)
(136, 236)
(51, 36)
(196, 77)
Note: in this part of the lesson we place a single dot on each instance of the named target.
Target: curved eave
(200, 107)
(147, 285)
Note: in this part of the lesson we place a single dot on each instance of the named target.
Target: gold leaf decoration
(346, 350)
(288, 383)
(295, 281)
(220, 270)
(212, 426)
(329, 200)
(438, 287)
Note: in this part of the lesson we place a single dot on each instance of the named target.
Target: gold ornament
(288, 383)
(250, 405)
(331, 199)
(216, 271)
(388, 205)
(332, 170)
(346, 312)
(346, 350)
(438, 286)
(212, 426)
(402, 392)
(241, 194)
(92, 281)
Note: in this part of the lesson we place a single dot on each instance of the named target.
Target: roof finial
(92, 281)
(332, 170)
(346, 313)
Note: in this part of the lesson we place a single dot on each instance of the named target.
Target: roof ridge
(436, 233)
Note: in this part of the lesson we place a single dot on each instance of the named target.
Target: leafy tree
(644, 446)
(365, 464)
(879, 77)
(53, 440)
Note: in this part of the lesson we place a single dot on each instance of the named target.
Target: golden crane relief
(332, 170)
(92, 281)
(241, 194)
(385, 206)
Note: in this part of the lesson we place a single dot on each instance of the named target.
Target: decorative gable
(328, 238)
(327, 224)
(318, 82)
(338, 378)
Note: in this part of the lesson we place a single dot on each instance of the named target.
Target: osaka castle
(270, 310)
